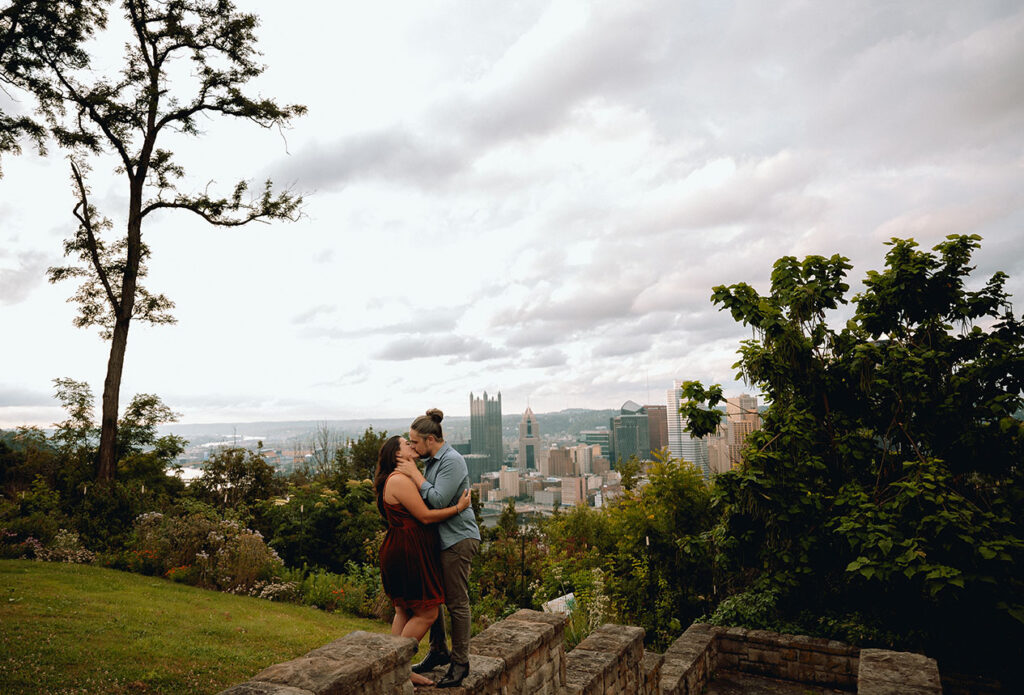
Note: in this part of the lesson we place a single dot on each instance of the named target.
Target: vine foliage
(881, 502)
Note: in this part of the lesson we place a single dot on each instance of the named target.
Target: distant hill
(570, 422)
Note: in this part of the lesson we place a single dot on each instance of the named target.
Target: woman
(410, 566)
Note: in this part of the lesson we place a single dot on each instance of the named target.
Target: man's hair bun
(435, 415)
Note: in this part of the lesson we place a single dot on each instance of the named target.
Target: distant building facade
(742, 418)
(574, 491)
(478, 464)
(559, 463)
(485, 428)
(630, 433)
(680, 444)
(530, 449)
(601, 437)
(583, 457)
(657, 427)
(508, 482)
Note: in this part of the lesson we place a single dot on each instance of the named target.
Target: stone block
(690, 654)
(511, 640)
(840, 648)
(882, 672)
(765, 637)
(485, 676)
(623, 641)
(588, 670)
(537, 681)
(727, 661)
(557, 621)
(812, 657)
(731, 646)
(319, 675)
(383, 652)
(257, 688)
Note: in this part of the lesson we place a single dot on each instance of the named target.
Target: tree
(324, 452)
(236, 478)
(125, 116)
(358, 460)
(63, 26)
(881, 500)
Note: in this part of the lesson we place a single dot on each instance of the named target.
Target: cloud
(396, 154)
(311, 314)
(17, 397)
(440, 321)
(17, 283)
(425, 346)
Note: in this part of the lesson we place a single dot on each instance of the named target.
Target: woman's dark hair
(387, 459)
(429, 424)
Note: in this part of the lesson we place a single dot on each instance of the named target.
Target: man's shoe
(456, 673)
(431, 661)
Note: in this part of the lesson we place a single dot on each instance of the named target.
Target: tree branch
(86, 220)
(84, 103)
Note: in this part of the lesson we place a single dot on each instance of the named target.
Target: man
(444, 478)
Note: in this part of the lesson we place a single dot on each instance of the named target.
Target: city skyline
(537, 197)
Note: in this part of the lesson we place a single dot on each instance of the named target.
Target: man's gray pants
(455, 563)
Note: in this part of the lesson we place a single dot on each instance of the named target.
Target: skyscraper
(485, 428)
(680, 444)
(630, 433)
(530, 449)
(742, 418)
(657, 427)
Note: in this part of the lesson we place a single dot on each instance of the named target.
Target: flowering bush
(200, 549)
(65, 547)
(144, 561)
(183, 574)
(274, 590)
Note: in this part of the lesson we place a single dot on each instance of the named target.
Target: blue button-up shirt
(446, 477)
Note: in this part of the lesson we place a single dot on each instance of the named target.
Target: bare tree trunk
(107, 464)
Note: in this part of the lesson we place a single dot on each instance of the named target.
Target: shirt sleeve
(442, 493)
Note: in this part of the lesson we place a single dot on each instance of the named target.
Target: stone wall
(521, 655)
(360, 663)
(611, 661)
(798, 658)
(692, 660)
(524, 655)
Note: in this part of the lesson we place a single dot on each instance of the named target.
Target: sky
(534, 198)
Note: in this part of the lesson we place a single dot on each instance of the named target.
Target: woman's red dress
(410, 561)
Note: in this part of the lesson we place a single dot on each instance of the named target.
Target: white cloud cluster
(538, 197)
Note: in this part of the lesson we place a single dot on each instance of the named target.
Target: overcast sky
(532, 197)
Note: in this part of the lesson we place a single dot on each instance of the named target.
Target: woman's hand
(464, 500)
(407, 467)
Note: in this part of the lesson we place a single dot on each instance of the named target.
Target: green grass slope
(81, 629)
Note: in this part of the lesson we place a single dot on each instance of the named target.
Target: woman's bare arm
(400, 489)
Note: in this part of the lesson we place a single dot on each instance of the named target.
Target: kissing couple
(431, 540)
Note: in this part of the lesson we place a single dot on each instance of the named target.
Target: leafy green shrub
(322, 589)
(34, 513)
(216, 553)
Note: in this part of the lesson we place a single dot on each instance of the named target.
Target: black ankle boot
(456, 673)
(431, 661)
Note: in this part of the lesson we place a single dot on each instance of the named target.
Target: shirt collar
(437, 456)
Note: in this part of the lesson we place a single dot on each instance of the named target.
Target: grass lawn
(80, 629)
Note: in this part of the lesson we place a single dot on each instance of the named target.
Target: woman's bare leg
(419, 623)
(415, 627)
(398, 624)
